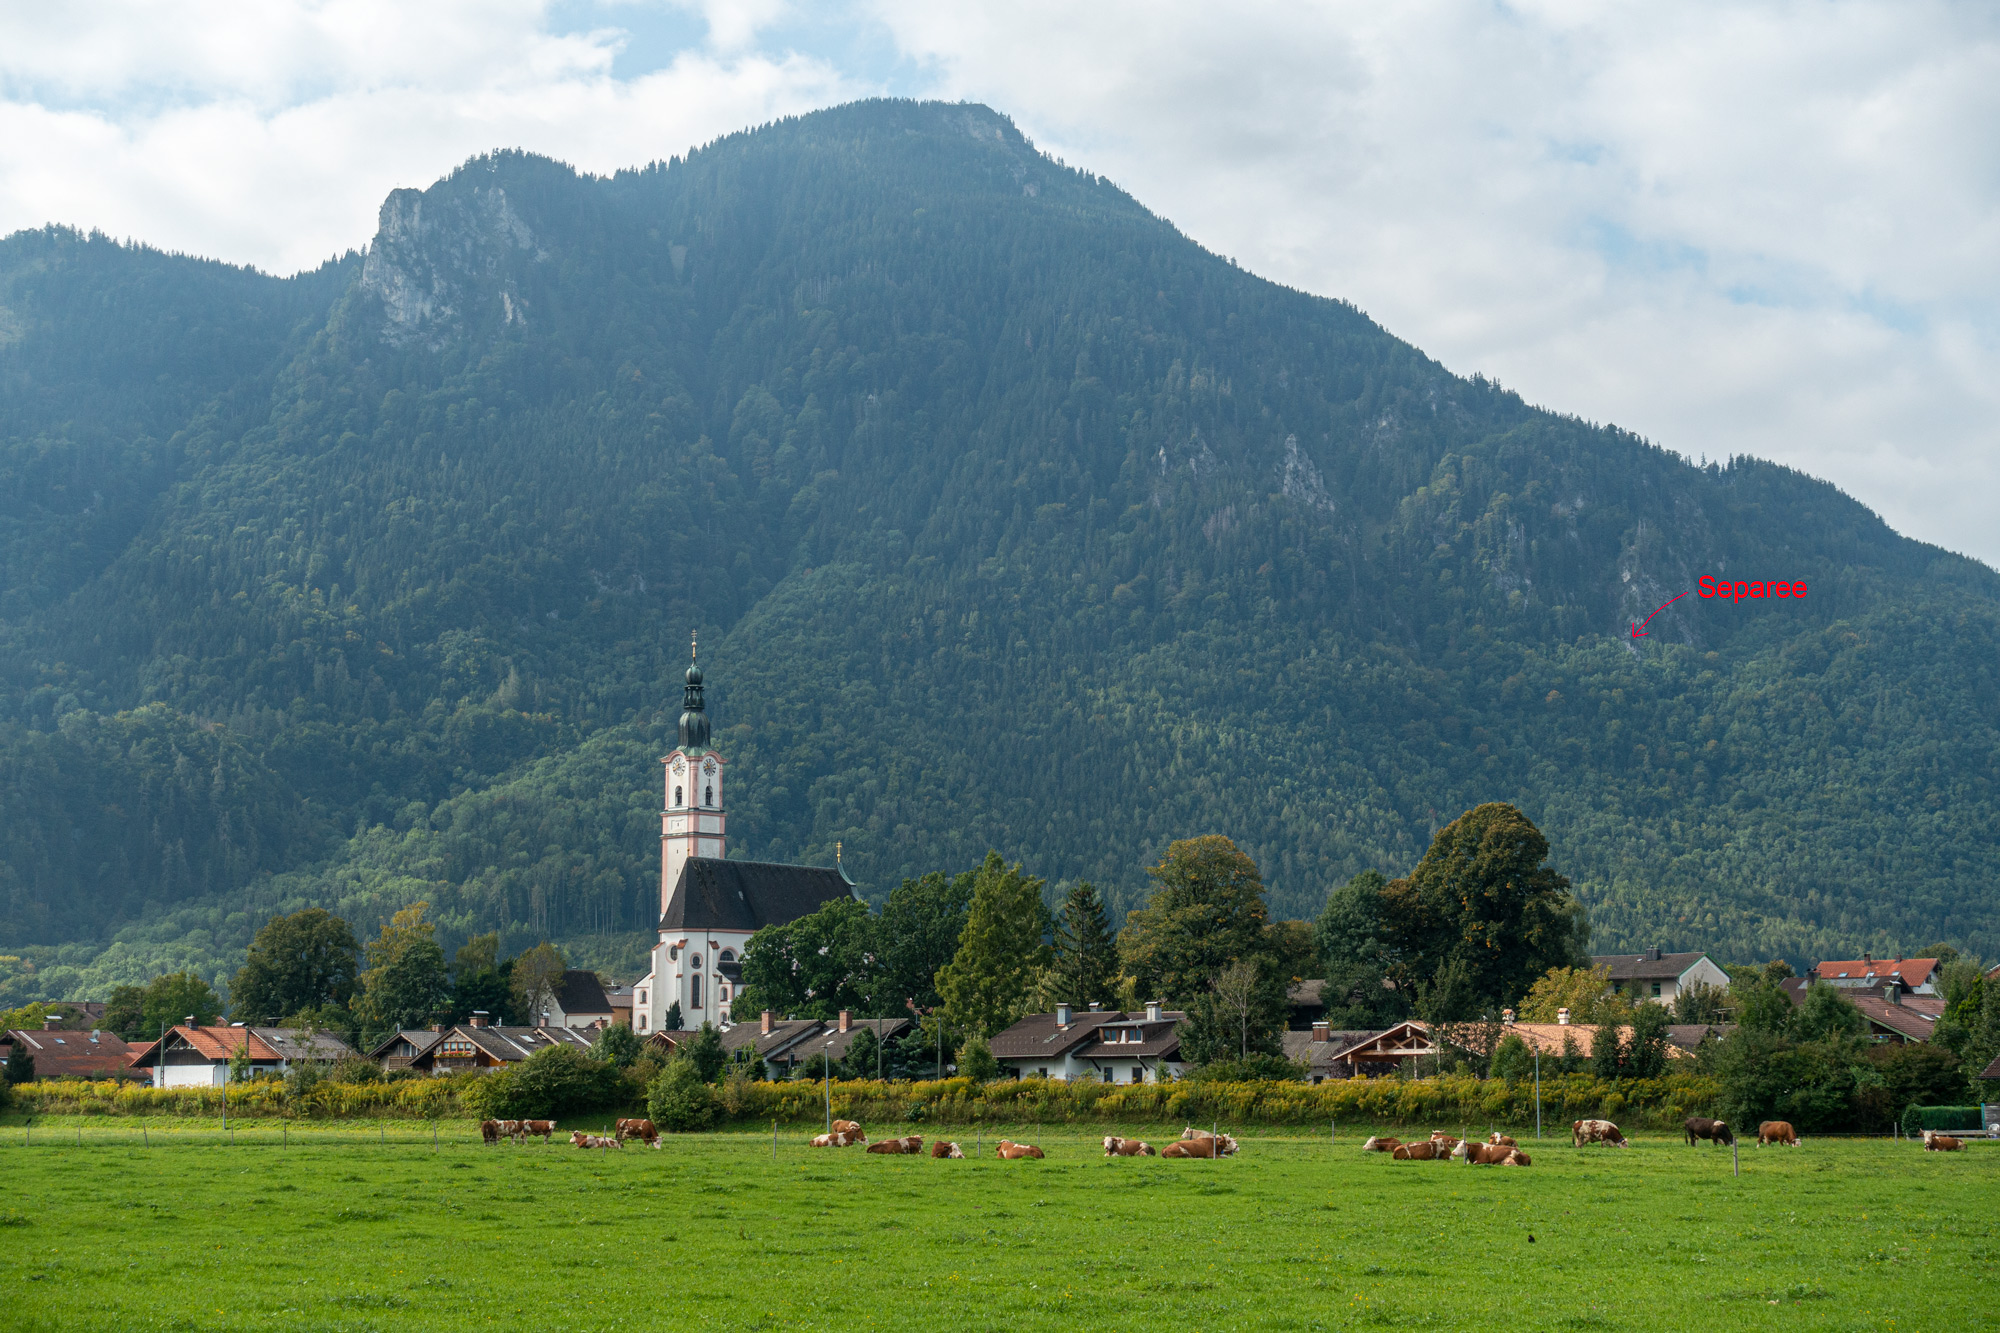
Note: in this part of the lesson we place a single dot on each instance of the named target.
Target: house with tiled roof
(1317, 1049)
(479, 1044)
(783, 1044)
(574, 1000)
(1093, 1045)
(1549, 1039)
(400, 1049)
(1894, 1015)
(1916, 976)
(62, 1052)
(1653, 975)
(191, 1056)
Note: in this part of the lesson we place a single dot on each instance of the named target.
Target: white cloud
(1768, 228)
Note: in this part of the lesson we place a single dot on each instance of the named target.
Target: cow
(1777, 1131)
(1203, 1147)
(1936, 1142)
(1483, 1154)
(530, 1128)
(1443, 1140)
(851, 1128)
(1517, 1158)
(579, 1139)
(508, 1129)
(642, 1130)
(1117, 1147)
(943, 1149)
(1381, 1143)
(1225, 1145)
(1596, 1131)
(1699, 1127)
(1417, 1152)
(911, 1146)
(489, 1130)
(1009, 1151)
(1497, 1137)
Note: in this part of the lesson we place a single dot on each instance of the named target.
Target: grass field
(353, 1227)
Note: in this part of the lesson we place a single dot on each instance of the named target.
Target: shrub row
(1444, 1101)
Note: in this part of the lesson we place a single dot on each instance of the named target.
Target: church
(711, 906)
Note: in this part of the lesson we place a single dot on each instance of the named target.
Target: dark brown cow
(641, 1130)
(1936, 1142)
(911, 1146)
(531, 1128)
(1418, 1152)
(1699, 1127)
(1777, 1131)
(943, 1149)
(489, 1130)
(1009, 1151)
(1117, 1147)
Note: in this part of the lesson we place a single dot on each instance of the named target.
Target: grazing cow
(1483, 1154)
(1117, 1147)
(1009, 1151)
(1777, 1131)
(530, 1128)
(489, 1130)
(1936, 1142)
(1715, 1131)
(1417, 1152)
(1596, 1131)
(508, 1129)
(911, 1146)
(943, 1149)
(1517, 1158)
(1381, 1143)
(642, 1130)
(1497, 1137)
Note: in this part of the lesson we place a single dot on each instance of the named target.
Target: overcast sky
(1770, 229)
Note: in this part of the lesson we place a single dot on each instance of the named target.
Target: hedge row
(1444, 1101)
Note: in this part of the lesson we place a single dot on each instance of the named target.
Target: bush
(618, 1046)
(1946, 1119)
(680, 1100)
(1256, 1069)
(353, 1068)
(976, 1062)
(1512, 1060)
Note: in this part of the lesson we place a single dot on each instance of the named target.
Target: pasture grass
(366, 1227)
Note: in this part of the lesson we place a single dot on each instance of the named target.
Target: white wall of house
(203, 1075)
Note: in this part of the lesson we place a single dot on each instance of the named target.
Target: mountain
(1008, 516)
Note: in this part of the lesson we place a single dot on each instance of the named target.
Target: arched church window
(677, 797)
(694, 993)
(726, 957)
(673, 952)
(694, 961)
(708, 794)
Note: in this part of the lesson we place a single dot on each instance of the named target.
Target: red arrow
(1639, 630)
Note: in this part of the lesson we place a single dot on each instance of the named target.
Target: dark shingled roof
(582, 993)
(714, 894)
(1648, 966)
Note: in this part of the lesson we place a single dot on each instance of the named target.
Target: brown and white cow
(944, 1149)
(1936, 1142)
(1497, 1137)
(531, 1128)
(489, 1131)
(1777, 1131)
(1700, 1127)
(508, 1129)
(643, 1130)
(1517, 1158)
(851, 1128)
(1483, 1154)
(1117, 1147)
(911, 1146)
(1417, 1152)
(1009, 1151)
(1596, 1131)
(1381, 1143)
(1443, 1140)
(1223, 1144)
(579, 1139)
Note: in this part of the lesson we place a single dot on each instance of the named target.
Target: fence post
(1735, 1161)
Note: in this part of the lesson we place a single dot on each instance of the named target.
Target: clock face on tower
(708, 767)
(680, 765)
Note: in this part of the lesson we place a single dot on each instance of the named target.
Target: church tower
(693, 822)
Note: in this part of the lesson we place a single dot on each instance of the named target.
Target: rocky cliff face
(440, 262)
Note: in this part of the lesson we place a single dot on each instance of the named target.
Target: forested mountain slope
(1009, 518)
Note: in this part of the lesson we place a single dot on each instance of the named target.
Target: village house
(576, 1000)
(1915, 976)
(1549, 1039)
(1318, 1048)
(479, 1044)
(621, 1003)
(1093, 1045)
(785, 1044)
(400, 1049)
(1894, 1015)
(190, 1056)
(1653, 975)
(62, 1052)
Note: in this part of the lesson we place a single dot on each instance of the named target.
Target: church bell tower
(693, 822)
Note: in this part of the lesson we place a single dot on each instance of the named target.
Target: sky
(1768, 229)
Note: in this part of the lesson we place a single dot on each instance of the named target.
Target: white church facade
(710, 906)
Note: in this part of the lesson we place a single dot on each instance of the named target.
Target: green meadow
(157, 1224)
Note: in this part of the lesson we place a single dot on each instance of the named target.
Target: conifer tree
(1086, 956)
(1000, 951)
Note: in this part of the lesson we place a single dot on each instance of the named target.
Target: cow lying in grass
(1008, 1151)
(1381, 1143)
(1700, 1127)
(911, 1146)
(1777, 1131)
(1936, 1142)
(1444, 1141)
(1117, 1147)
(1228, 1148)
(848, 1127)
(1497, 1137)
(1418, 1152)
(579, 1139)
(642, 1130)
(1596, 1131)
(943, 1149)
(1490, 1154)
(839, 1139)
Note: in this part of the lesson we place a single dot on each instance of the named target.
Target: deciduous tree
(301, 961)
(999, 953)
(405, 981)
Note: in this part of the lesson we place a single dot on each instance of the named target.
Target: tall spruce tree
(1086, 955)
(999, 953)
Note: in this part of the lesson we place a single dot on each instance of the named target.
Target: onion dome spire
(694, 715)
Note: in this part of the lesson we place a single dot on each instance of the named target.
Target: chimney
(1152, 1011)
(1562, 1017)
(437, 1027)
(1320, 1032)
(764, 1024)
(845, 1019)
(1095, 1006)
(50, 1022)
(479, 1018)
(1868, 958)
(1062, 1015)
(1507, 1017)
(1656, 953)
(1892, 991)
